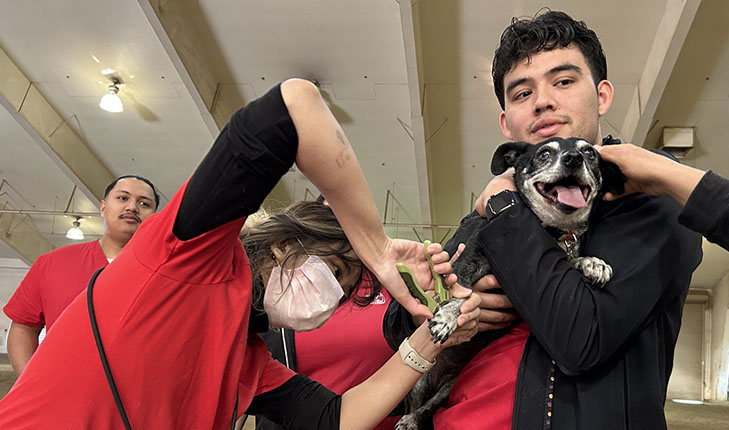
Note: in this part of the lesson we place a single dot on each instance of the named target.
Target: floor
(713, 416)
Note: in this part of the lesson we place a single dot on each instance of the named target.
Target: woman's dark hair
(546, 31)
(308, 228)
(141, 178)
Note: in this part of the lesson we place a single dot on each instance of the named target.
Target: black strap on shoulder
(235, 413)
(105, 362)
(102, 354)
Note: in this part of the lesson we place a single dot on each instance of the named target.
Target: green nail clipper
(441, 291)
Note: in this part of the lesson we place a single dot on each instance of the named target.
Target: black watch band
(501, 202)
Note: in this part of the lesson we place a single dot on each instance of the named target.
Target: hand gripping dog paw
(445, 310)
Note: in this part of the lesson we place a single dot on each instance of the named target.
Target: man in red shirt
(57, 277)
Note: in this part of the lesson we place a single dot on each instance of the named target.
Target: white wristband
(411, 357)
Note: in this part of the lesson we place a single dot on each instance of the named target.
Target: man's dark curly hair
(546, 31)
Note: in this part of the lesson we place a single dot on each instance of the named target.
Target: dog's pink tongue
(570, 196)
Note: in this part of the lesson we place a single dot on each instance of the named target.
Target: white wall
(719, 372)
(687, 380)
(12, 272)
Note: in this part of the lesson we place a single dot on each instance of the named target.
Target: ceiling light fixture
(75, 232)
(111, 102)
(688, 401)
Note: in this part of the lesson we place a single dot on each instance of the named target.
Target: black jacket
(707, 209)
(613, 347)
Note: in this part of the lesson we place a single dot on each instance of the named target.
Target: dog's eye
(544, 154)
(589, 153)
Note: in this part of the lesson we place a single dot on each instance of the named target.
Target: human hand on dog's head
(651, 173)
(411, 254)
(499, 183)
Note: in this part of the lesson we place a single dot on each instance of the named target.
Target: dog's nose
(572, 159)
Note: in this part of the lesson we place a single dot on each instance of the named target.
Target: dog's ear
(613, 180)
(506, 155)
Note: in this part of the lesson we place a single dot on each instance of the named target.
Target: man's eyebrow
(513, 84)
(557, 69)
(565, 67)
(128, 193)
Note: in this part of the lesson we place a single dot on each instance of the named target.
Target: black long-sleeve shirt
(707, 209)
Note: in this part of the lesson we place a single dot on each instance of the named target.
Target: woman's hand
(412, 255)
(496, 310)
(468, 322)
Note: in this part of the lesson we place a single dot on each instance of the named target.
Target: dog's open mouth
(567, 194)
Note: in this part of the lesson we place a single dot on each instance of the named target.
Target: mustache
(132, 215)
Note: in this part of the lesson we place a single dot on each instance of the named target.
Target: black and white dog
(559, 180)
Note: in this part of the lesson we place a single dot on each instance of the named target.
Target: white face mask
(310, 298)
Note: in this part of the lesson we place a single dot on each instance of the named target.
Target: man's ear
(604, 96)
(102, 207)
(506, 155)
(505, 126)
(613, 180)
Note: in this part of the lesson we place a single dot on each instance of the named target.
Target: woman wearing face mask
(172, 311)
(331, 354)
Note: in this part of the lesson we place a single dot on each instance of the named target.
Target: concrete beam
(411, 39)
(184, 49)
(51, 132)
(22, 237)
(215, 102)
(25, 103)
(670, 36)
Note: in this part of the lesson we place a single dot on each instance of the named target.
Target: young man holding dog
(585, 357)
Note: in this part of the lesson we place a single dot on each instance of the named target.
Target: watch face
(498, 203)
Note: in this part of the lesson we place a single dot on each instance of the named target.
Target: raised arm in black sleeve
(248, 158)
(707, 209)
(580, 325)
(299, 403)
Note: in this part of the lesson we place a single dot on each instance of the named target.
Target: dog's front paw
(594, 269)
(445, 320)
(408, 422)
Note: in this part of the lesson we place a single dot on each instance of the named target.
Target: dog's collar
(568, 238)
(560, 235)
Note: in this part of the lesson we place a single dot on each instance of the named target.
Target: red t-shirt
(483, 396)
(52, 282)
(347, 349)
(173, 318)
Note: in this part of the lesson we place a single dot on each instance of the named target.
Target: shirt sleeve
(707, 209)
(580, 325)
(25, 306)
(251, 154)
(299, 403)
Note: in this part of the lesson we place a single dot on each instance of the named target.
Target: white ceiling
(218, 54)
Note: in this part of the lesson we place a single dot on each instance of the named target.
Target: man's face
(553, 95)
(126, 206)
